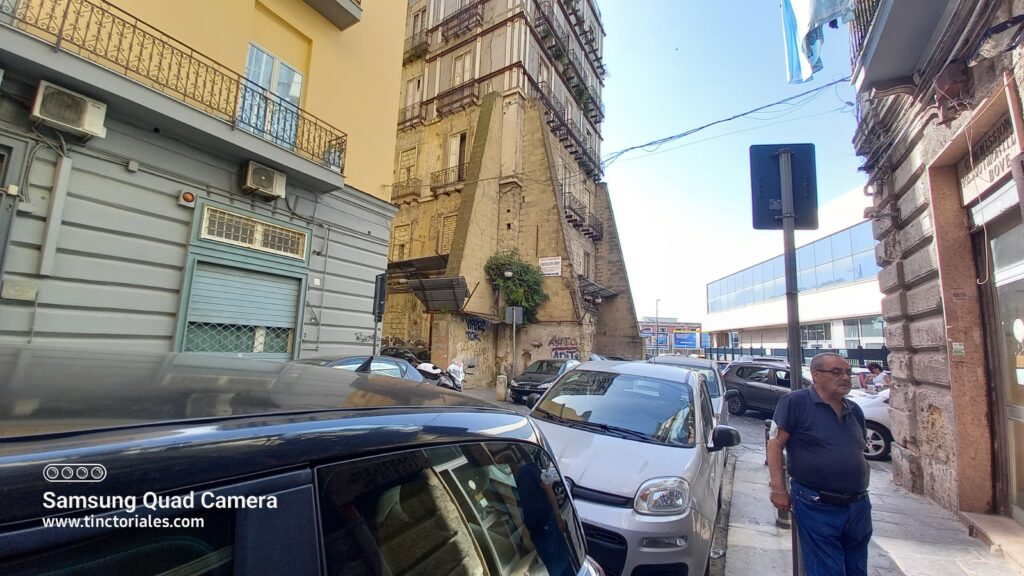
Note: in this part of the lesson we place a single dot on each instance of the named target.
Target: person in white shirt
(879, 380)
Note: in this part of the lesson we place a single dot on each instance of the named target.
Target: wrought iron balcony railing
(574, 210)
(462, 21)
(458, 98)
(406, 190)
(864, 12)
(416, 46)
(594, 228)
(566, 130)
(555, 38)
(449, 177)
(120, 42)
(411, 116)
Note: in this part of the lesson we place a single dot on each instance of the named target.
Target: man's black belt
(837, 498)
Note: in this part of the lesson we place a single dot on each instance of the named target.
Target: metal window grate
(232, 228)
(281, 239)
(235, 338)
(228, 226)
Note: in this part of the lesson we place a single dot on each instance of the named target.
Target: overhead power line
(653, 145)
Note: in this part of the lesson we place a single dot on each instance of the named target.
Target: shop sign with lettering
(988, 161)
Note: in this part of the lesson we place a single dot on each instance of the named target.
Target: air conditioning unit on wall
(264, 181)
(69, 111)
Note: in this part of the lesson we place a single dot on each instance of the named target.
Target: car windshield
(661, 410)
(545, 367)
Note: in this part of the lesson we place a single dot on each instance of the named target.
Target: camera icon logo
(74, 472)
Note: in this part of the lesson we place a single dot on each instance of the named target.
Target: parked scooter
(451, 378)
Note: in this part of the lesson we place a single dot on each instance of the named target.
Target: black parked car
(759, 384)
(538, 377)
(266, 468)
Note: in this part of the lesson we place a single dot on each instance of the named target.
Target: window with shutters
(406, 164)
(448, 223)
(239, 311)
(400, 243)
(231, 228)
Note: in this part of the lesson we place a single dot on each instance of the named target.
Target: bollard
(501, 388)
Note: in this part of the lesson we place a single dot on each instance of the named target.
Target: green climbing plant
(526, 286)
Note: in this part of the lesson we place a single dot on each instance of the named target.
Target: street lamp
(512, 351)
(657, 325)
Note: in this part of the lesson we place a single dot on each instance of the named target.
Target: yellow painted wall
(352, 77)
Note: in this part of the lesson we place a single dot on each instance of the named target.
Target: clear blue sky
(684, 213)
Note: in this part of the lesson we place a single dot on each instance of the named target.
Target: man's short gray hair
(817, 360)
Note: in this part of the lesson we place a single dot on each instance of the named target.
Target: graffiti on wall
(565, 347)
(475, 328)
(360, 337)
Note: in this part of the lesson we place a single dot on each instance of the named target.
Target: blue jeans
(834, 539)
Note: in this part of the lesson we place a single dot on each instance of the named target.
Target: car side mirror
(724, 437)
(532, 399)
(730, 394)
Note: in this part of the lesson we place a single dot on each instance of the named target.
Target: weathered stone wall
(940, 403)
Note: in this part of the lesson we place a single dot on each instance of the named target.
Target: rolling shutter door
(237, 311)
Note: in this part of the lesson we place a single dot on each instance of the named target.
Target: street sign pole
(792, 312)
(789, 255)
(513, 316)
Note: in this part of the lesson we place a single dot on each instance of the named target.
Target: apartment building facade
(498, 151)
(195, 176)
(940, 132)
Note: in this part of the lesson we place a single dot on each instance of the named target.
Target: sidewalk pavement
(913, 536)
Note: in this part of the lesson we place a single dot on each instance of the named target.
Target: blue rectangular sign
(684, 340)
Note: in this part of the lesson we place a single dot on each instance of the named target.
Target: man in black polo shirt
(823, 434)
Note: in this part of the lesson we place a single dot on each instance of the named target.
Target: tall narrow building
(498, 150)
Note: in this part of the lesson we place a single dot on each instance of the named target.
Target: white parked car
(876, 416)
(639, 447)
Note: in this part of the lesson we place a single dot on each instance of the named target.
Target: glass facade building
(846, 257)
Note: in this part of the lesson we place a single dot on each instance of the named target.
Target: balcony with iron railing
(573, 209)
(416, 46)
(574, 10)
(594, 106)
(462, 21)
(458, 98)
(863, 16)
(411, 116)
(575, 74)
(448, 179)
(121, 43)
(406, 190)
(566, 130)
(556, 39)
(594, 228)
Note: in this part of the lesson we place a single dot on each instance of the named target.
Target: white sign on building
(551, 266)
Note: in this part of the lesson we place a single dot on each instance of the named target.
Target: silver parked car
(709, 368)
(638, 445)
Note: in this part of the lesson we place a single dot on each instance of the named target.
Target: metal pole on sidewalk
(792, 309)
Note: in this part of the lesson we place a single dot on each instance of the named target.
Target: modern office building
(839, 301)
(499, 139)
(196, 176)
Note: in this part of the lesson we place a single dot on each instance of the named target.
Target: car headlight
(512, 382)
(545, 385)
(663, 497)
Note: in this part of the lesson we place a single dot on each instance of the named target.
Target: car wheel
(879, 442)
(737, 405)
